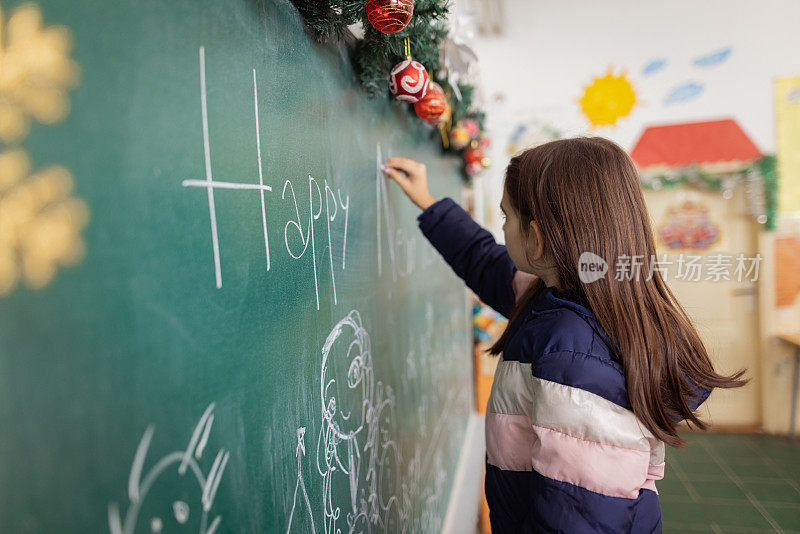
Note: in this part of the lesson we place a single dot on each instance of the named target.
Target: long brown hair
(585, 195)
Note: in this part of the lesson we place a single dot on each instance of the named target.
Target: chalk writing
(335, 202)
(402, 248)
(315, 202)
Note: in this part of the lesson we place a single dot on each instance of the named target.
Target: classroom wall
(535, 70)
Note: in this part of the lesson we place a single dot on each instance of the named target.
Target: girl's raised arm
(469, 249)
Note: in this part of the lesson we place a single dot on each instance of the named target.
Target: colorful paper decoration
(688, 227)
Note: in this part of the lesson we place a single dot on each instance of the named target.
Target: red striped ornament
(389, 16)
(408, 81)
(432, 106)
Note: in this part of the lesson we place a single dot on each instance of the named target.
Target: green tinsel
(376, 54)
(768, 167)
(694, 176)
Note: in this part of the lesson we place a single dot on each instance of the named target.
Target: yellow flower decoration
(608, 99)
(40, 223)
(36, 72)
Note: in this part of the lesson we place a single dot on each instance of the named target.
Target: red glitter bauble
(431, 107)
(474, 159)
(473, 154)
(389, 16)
(408, 81)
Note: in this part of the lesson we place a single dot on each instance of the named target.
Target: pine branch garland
(375, 55)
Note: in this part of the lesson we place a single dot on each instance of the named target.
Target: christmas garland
(761, 177)
(454, 123)
(768, 167)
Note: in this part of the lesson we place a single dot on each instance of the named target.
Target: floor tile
(684, 513)
(684, 527)
(702, 467)
(735, 515)
(692, 452)
(766, 478)
(774, 492)
(731, 449)
(752, 469)
(724, 489)
(679, 491)
(671, 486)
(768, 467)
(787, 517)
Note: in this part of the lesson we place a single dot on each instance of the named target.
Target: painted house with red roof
(715, 146)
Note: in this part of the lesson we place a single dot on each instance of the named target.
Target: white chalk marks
(183, 465)
(209, 182)
(402, 248)
(369, 472)
(306, 237)
(375, 474)
(366, 485)
(301, 485)
(333, 203)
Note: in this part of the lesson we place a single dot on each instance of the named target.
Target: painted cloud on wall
(713, 59)
(684, 93)
(653, 66)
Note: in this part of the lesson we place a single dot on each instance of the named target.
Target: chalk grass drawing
(36, 72)
(183, 463)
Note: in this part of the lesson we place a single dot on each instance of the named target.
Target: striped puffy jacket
(564, 451)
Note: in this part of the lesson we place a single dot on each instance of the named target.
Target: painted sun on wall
(607, 99)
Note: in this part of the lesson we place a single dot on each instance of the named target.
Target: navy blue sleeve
(700, 394)
(694, 401)
(471, 252)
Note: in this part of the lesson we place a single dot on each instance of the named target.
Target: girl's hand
(411, 177)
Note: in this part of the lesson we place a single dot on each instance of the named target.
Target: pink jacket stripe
(568, 434)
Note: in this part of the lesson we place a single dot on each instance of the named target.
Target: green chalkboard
(215, 314)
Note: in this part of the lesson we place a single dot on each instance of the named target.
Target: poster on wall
(787, 125)
(787, 271)
(688, 226)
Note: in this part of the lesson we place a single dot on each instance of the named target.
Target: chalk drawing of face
(180, 511)
(179, 475)
(346, 393)
(347, 383)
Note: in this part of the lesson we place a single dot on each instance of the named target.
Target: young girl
(595, 375)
